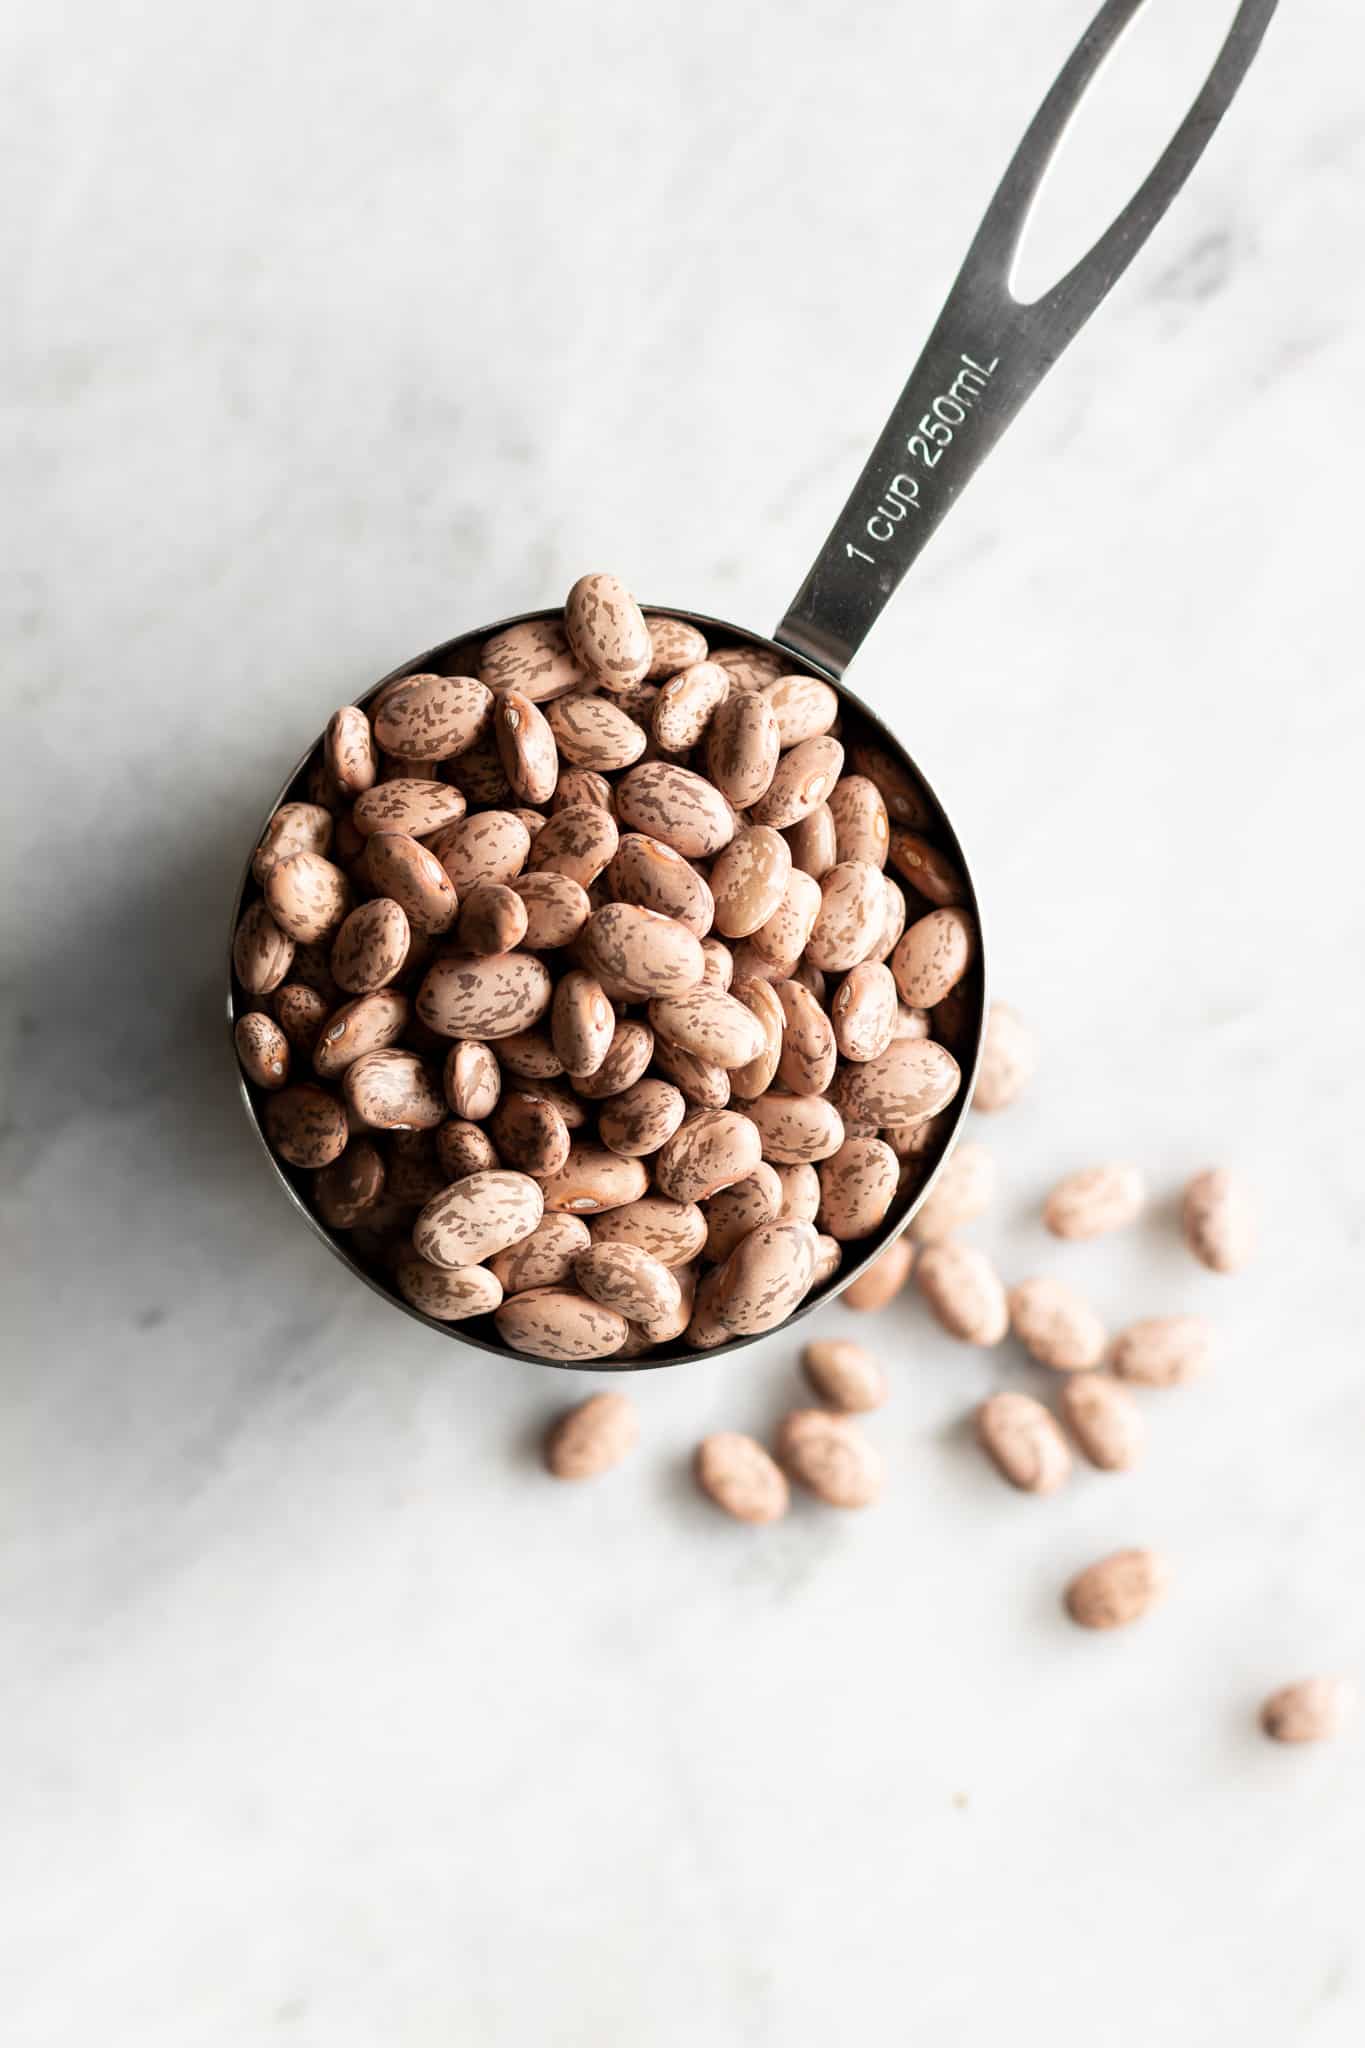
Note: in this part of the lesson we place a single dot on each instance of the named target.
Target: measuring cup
(986, 354)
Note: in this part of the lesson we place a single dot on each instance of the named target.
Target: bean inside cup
(603, 915)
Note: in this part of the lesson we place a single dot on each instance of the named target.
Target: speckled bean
(740, 1208)
(307, 896)
(636, 952)
(295, 828)
(262, 1049)
(607, 632)
(526, 747)
(803, 778)
(641, 1119)
(432, 718)
(550, 1322)
(1118, 1590)
(1056, 1326)
(366, 1024)
(1104, 1419)
(797, 1127)
(712, 1151)
(545, 1257)
(490, 846)
(809, 1055)
(912, 1080)
(844, 1375)
(803, 707)
(533, 658)
(652, 876)
(530, 1133)
(864, 1011)
(857, 1187)
(1023, 1442)
(1095, 1200)
(557, 909)
(1163, 1351)
(932, 957)
(306, 1125)
(830, 1457)
(262, 953)
(478, 1216)
(401, 868)
(737, 1474)
(391, 1090)
(449, 1294)
(484, 996)
(766, 1277)
(593, 1179)
(761, 999)
(578, 841)
(1218, 1219)
(677, 806)
(963, 1289)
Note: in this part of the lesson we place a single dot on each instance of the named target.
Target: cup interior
(460, 657)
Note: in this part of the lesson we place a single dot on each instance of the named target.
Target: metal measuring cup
(987, 353)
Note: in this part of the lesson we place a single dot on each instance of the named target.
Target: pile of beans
(614, 1025)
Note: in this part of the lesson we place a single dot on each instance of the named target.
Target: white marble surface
(329, 1720)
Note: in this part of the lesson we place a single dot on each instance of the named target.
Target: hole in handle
(1125, 119)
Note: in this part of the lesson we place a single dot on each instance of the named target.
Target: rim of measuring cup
(480, 1333)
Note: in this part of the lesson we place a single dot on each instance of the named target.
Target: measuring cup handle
(990, 350)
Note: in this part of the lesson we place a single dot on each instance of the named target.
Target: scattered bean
(1094, 1200)
(1009, 1059)
(1311, 1709)
(963, 1191)
(1163, 1351)
(1104, 1419)
(1219, 1220)
(963, 1289)
(739, 1476)
(593, 1437)
(1055, 1326)
(844, 1375)
(1023, 1442)
(884, 1278)
(1118, 1590)
(828, 1455)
